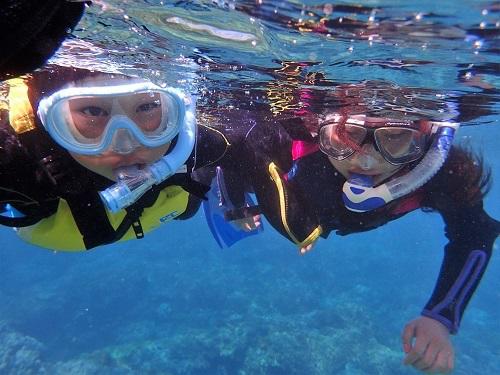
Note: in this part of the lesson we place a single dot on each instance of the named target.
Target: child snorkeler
(90, 158)
(348, 173)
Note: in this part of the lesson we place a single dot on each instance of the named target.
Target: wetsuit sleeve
(471, 233)
(457, 193)
(21, 183)
(259, 156)
(220, 143)
(281, 202)
(254, 143)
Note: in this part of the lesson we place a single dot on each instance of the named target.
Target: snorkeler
(348, 173)
(31, 31)
(90, 158)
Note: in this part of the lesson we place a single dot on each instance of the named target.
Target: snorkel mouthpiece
(132, 184)
(359, 195)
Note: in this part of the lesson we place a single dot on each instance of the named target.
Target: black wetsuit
(35, 173)
(312, 196)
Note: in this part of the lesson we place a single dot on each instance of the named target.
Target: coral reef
(19, 354)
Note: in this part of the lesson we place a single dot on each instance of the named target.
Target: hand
(307, 248)
(248, 223)
(427, 345)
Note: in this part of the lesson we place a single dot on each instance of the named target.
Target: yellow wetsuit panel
(59, 231)
(21, 116)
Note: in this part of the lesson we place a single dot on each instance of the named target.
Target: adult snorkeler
(89, 158)
(349, 172)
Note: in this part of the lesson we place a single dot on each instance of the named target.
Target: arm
(257, 164)
(471, 233)
(456, 192)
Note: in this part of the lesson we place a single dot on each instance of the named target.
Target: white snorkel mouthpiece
(360, 195)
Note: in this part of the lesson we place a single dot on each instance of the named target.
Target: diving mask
(359, 192)
(399, 142)
(119, 115)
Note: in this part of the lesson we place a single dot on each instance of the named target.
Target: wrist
(448, 325)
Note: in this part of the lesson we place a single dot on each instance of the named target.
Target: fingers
(305, 249)
(249, 223)
(431, 356)
(427, 362)
(254, 223)
(416, 355)
(443, 363)
(407, 336)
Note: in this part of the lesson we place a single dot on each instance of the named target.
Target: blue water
(173, 303)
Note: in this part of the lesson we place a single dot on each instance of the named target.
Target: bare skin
(90, 115)
(248, 223)
(106, 163)
(427, 345)
(368, 162)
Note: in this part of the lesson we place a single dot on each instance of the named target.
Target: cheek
(391, 168)
(87, 161)
(342, 166)
(150, 155)
(97, 164)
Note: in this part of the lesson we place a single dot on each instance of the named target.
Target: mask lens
(89, 122)
(340, 141)
(157, 115)
(145, 110)
(87, 117)
(400, 145)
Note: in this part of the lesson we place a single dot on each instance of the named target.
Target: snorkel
(360, 195)
(133, 182)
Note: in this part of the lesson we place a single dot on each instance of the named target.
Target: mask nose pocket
(123, 142)
(366, 161)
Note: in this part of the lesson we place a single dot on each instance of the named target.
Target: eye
(147, 107)
(94, 111)
(398, 134)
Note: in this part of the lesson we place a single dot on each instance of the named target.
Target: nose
(367, 148)
(123, 142)
(366, 158)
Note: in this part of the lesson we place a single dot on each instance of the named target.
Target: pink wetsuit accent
(302, 148)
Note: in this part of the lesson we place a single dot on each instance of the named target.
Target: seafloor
(174, 303)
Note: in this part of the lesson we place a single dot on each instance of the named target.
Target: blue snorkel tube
(360, 195)
(134, 182)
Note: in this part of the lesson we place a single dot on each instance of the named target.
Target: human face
(106, 164)
(366, 161)
(89, 115)
(372, 146)
(117, 114)
(398, 142)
